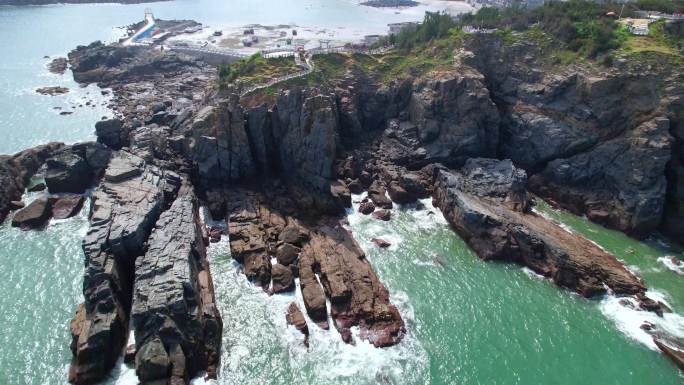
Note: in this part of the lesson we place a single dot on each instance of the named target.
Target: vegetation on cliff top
(255, 70)
(566, 32)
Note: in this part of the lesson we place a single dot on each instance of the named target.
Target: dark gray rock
(619, 183)
(111, 133)
(16, 172)
(152, 361)
(123, 214)
(173, 299)
(68, 173)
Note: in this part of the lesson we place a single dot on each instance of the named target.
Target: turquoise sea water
(468, 322)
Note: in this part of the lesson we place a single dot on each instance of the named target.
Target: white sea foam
(628, 319)
(667, 261)
(530, 273)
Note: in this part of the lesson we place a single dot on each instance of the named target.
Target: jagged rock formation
(174, 313)
(357, 297)
(554, 122)
(258, 229)
(125, 207)
(16, 171)
(486, 204)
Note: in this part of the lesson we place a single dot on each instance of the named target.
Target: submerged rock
(381, 243)
(52, 91)
(295, 318)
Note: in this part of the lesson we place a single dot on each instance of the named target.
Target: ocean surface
(468, 321)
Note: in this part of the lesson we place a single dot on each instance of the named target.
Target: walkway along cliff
(281, 171)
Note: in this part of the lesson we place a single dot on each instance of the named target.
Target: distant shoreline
(49, 2)
(390, 3)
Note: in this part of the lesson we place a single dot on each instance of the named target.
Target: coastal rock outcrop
(16, 171)
(177, 325)
(124, 208)
(357, 297)
(486, 203)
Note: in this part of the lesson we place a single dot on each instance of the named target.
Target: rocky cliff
(595, 140)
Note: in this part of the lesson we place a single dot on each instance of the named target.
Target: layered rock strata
(486, 204)
(177, 325)
(125, 207)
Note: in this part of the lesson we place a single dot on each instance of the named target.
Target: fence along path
(308, 63)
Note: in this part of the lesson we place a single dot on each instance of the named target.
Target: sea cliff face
(280, 171)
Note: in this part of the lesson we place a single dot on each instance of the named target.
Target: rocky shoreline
(281, 173)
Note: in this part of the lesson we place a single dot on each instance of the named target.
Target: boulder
(110, 132)
(377, 194)
(383, 215)
(152, 361)
(295, 318)
(287, 253)
(366, 208)
(294, 234)
(66, 206)
(67, 172)
(283, 280)
(35, 215)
